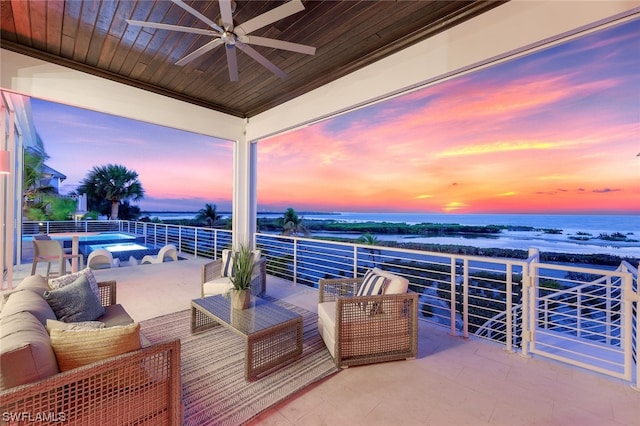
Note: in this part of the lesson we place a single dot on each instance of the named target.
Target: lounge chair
(168, 251)
(100, 259)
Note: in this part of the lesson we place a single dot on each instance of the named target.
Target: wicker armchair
(214, 283)
(366, 329)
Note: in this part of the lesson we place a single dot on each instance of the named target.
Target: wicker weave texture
(371, 329)
(138, 388)
(273, 335)
(141, 388)
(107, 291)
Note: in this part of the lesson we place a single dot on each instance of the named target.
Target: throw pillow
(82, 325)
(372, 284)
(75, 348)
(227, 263)
(69, 278)
(75, 302)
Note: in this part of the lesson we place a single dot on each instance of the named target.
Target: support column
(244, 205)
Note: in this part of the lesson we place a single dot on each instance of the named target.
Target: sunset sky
(557, 131)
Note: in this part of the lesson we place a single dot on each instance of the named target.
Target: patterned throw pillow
(227, 263)
(69, 278)
(75, 302)
(372, 284)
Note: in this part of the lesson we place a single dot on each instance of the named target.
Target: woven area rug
(214, 390)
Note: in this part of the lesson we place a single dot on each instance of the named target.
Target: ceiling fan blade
(280, 12)
(232, 62)
(226, 13)
(199, 52)
(260, 59)
(279, 44)
(160, 26)
(198, 15)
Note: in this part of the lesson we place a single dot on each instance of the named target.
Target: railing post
(295, 261)
(215, 244)
(528, 301)
(355, 261)
(465, 299)
(452, 297)
(509, 308)
(579, 312)
(608, 309)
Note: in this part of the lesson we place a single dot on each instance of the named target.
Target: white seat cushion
(217, 286)
(327, 325)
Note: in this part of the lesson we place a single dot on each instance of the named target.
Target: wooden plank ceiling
(92, 36)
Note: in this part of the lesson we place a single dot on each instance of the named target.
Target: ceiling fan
(232, 37)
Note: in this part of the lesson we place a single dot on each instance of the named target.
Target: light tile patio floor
(453, 381)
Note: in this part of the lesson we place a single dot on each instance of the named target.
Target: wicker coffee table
(273, 335)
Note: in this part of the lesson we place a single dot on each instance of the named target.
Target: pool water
(102, 237)
(116, 248)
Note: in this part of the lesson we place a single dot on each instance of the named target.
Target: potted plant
(241, 279)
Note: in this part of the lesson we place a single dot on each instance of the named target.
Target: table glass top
(260, 316)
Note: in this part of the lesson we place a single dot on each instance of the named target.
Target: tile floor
(452, 382)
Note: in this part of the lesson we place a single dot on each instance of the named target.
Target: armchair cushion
(395, 284)
(214, 282)
(227, 261)
(217, 286)
(327, 325)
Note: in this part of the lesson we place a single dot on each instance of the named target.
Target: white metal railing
(510, 301)
(197, 241)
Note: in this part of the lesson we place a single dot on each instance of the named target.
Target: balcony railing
(584, 316)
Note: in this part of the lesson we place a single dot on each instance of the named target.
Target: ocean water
(570, 225)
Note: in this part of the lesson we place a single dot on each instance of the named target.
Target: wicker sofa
(214, 282)
(138, 387)
(367, 329)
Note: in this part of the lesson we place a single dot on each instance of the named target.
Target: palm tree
(114, 183)
(292, 224)
(370, 240)
(208, 214)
